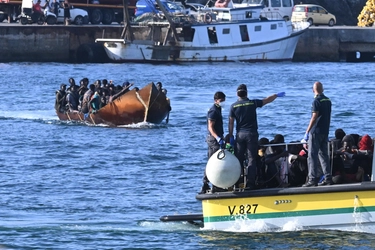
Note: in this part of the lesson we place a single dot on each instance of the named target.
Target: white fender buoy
(223, 169)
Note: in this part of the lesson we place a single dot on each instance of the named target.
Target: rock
(367, 16)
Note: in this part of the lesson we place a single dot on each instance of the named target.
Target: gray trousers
(318, 151)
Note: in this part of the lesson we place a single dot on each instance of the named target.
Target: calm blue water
(73, 186)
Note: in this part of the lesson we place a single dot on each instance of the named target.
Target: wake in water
(45, 115)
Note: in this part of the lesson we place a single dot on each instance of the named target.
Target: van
(312, 13)
(272, 9)
(147, 6)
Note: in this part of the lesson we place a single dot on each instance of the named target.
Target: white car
(77, 16)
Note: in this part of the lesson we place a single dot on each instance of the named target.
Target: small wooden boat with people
(343, 206)
(147, 104)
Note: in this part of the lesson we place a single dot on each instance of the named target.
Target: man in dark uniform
(244, 113)
(317, 137)
(215, 137)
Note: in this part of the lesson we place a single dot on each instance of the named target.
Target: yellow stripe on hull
(341, 210)
(287, 203)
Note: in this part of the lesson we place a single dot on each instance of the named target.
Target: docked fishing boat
(346, 207)
(214, 35)
(143, 105)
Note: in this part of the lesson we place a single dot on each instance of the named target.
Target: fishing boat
(214, 35)
(143, 105)
(348, 207)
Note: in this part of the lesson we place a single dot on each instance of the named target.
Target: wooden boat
(349, 207)
(217, 35)
(144, 105)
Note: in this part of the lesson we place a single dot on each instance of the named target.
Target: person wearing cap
(215, 136)
(243, 112)
(60, 101)
(317, 137)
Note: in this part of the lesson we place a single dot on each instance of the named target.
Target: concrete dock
(34, 43)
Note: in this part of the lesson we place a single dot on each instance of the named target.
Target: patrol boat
(214, 35)
(348, 207)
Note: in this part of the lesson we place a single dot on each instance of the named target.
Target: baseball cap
(242, 87)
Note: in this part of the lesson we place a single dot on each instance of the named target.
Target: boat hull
(144, 105)
(341, 207)
(268, 46)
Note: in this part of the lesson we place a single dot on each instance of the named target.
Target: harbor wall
(77, 43)
(336, 44)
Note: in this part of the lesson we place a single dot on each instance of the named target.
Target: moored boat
(143, 105)
(217, 34)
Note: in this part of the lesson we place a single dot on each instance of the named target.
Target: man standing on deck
(215, 137)
(244, 113)
(317, 137)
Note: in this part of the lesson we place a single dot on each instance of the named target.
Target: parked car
(147, 6)
(194, 7)
(314, 14)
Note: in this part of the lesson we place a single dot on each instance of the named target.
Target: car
(77, 16)
(195, 7)
(312, 13)
(147, 6)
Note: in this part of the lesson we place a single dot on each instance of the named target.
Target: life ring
(207, 18)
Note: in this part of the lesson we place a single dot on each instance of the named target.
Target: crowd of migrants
(87, 98)
(285, 164)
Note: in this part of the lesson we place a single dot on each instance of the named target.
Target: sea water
(65, 185)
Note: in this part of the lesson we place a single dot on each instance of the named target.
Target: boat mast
(127, 32)
(172, 26)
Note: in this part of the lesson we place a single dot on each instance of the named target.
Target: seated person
(298, 170)
(276, 167)
(351, 164)
(72, 99)
(336, 142)
(261, 166)
(124, 90)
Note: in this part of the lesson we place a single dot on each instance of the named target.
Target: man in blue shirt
(317, 137)
(215, 137)
(244, 113)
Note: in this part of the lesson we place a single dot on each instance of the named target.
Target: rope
(143, 103)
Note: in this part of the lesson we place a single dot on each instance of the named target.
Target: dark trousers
(247, 148)
(212, 144)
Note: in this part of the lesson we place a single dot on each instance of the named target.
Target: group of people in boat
(265, 164)
(286, 165)
(87, 97)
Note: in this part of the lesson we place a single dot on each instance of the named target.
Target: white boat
(217, 35)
